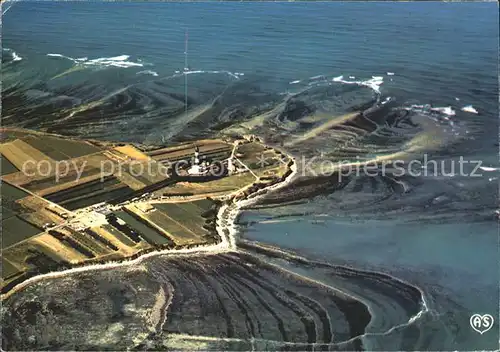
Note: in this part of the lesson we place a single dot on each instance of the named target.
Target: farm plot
(7, 166)
(89, 193)
(151, 235)
(15, 229)
(61, 149)
(182, 220)
(19, 153)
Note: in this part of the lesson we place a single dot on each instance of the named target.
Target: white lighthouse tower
(197, 168)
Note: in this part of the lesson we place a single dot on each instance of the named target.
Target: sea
(419, 251)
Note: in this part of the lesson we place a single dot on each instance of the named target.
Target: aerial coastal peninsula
(70, 203)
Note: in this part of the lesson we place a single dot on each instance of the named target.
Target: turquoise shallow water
(244, 58)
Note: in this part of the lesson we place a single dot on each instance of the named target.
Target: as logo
(481, 323)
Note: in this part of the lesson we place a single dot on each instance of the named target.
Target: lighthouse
(196, 156)
(197, 168)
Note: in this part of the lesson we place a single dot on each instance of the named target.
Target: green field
(151, 235)
(7, 166)
(186, 214)
(12, 193)
(41, 184)
(90, 243)
(177, 229)
(7, 136)
(204, 204)
(7, 213)
(88, 193)
(54, 147)
(15, 229)
(8, 269)
(120, 236)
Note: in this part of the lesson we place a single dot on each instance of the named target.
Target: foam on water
(15, 56)
(59, 55)
(147, 72)
(489, 169)
(386, 100)
(316, 77)
(374, 83)
(427, 108)
(192, 72)
(469, 108)
(447, 110)
(121, 61)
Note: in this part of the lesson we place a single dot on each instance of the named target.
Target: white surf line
(226, 218)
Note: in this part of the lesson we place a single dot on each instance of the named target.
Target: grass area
(225, 184)
(12, 193)
(234, 182)
(82, 189)
(7, 213)
(146, 172)
(7, 166)
(15, 229)
(184, 214)
(131, 181)
(148, 233)
(61, 149)
(7, 135)
(88, 193)
(120, 236)
(205, 204)
(180, 231)
(38, 143)
(251, 148)
(90, 243)
(97, 197)
(19, 152)
(190, 208)
(8, 269)
(48, 182)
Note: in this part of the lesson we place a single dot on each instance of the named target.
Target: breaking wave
(14, 56)
(114, 61)
(148, 72)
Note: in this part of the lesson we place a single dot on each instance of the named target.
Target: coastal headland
(69, 203)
